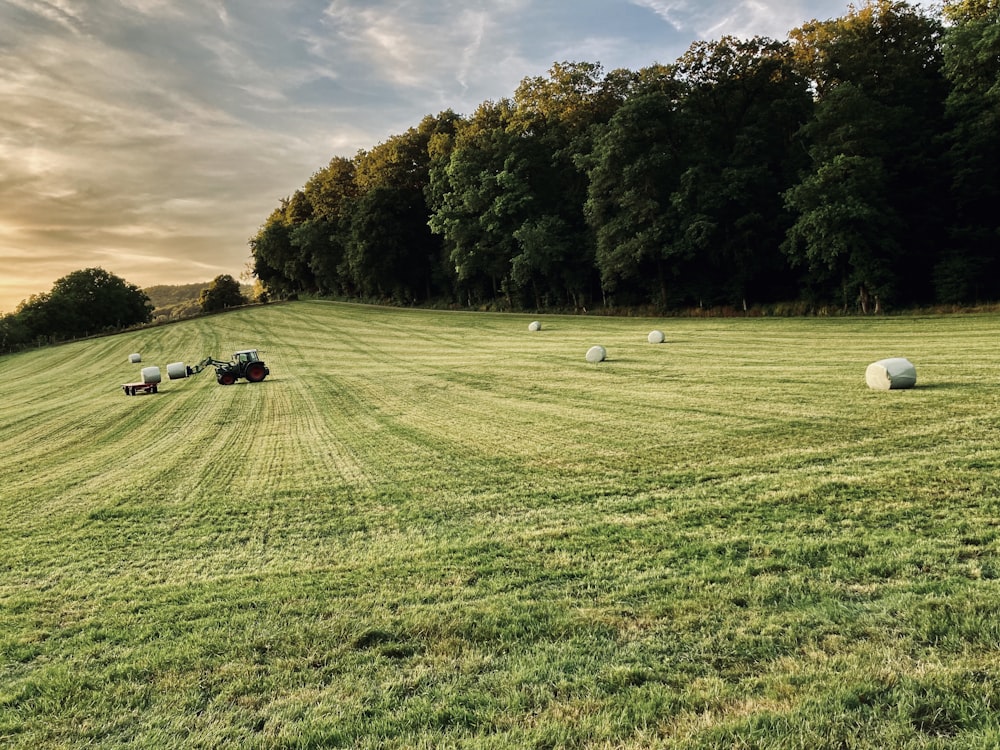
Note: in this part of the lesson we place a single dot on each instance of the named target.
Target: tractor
(245, 364)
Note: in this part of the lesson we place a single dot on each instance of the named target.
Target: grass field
(431, 529)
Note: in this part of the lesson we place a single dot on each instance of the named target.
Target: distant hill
(174, 301)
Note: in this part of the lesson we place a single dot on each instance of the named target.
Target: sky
(152, 138)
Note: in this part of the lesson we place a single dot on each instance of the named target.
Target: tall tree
(472, 206)
(970, 270)
(323, 238)
(269, 248)
(32, 320)
(846, 231)
(744, 102)
(93, 300)
(637, 165)
(15, 331)
(392, 251)
(879, 115)
(278, 262)
(224, 291)
(556, 119)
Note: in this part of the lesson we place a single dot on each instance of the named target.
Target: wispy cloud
(745, 18)
(61, 12)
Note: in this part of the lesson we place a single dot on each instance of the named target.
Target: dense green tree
(269, 247)
(845, 230)
(392, 251)
(637, 166)
(550, 264)
(879, 114)
(390, 240)
(279, 264)
(84, 302)
(402, 161)
(298, 210)
(556, 120)
(574, 95)
(507, 196)
(38, 317)
(685, 189)
(94, 300)
(743, 103)
(437, 190)
(970, 270)
(472, 206)
(323, 238)
(14, 332)
(224, 291)
(33, 320)
(330, 188)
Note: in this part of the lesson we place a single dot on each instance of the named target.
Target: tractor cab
(246, 356)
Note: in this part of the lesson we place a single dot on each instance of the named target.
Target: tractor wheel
(226, 378)
(255, 372)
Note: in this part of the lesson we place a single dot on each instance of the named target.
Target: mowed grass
(431, 529)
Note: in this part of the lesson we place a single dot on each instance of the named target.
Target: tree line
(853, 165)
(83, 303)
(93, 301)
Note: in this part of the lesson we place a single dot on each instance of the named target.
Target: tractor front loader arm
(195, 369)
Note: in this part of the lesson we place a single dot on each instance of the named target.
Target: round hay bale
(534, 326)
(151, 374)
(596, 354)
(891, 374)
(135, 358)
(656, 337)
(177, 370)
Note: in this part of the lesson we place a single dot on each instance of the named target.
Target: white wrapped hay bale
(135, 358)
(534, 326)
(656, 337)
(151, 374)
(891, 374)
(176, 370)
(596, 354)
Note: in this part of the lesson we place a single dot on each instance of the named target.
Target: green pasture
(434, 530)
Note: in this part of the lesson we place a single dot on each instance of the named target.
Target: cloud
(710, 20)
(125, 138)
(746, 18)
(59, 12)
